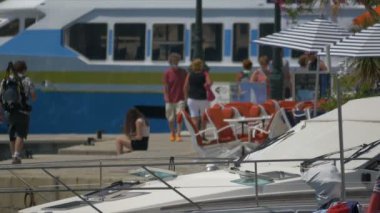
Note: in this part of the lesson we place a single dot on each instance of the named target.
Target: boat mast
(276, 76)
(198, 40)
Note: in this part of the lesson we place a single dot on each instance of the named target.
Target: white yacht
(268, 180)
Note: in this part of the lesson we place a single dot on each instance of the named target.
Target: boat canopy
(318, 136)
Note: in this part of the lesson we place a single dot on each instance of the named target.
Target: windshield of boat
(360, 150)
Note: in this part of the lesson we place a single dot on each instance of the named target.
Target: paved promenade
(101, 154)
(159, 145)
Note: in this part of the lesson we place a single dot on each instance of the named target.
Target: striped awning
(365, 43)
(312, 36)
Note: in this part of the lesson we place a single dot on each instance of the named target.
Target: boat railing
(104, 163)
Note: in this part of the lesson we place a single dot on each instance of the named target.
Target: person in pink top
(261, 75)
(174, 79)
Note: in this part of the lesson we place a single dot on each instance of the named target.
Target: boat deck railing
(105, 163)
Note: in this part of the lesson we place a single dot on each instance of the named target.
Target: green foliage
(366, 70)
(294, 11)
(305, 6)
(329, 105)
(350, 90)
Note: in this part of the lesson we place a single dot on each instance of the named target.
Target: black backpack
(13, 96)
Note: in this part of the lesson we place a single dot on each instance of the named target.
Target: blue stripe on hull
(37, 43)
(83, 112)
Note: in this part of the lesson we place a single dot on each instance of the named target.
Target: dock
(77, 152)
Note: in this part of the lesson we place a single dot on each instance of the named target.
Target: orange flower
(365, 18)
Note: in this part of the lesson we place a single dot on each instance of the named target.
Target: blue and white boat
(137, 35)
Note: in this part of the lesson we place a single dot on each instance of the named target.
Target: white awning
(312, 36)
(365, 43)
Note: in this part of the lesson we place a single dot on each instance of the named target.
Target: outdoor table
(246, 120)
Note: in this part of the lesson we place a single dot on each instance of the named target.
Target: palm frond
(366, 70)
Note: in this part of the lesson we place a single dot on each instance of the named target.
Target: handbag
(209, 93)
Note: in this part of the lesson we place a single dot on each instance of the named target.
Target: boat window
(240, 42)
(10, 29)
(251, 181)
(67, 206)
(129, 42)
(89, 39)
(212, 41)
(264, 30)
(167, 38)
(161, 173)
(279, 175)
(297, 53)
(29, 22)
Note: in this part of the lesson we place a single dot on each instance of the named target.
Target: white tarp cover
(318, 136)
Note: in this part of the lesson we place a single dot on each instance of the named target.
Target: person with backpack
(17, 91)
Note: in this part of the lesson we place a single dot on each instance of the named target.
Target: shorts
(197, 107)
(140, 144)
(172, 109)
(18, 125)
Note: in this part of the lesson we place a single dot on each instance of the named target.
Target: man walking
(17, 90)
(174, 79)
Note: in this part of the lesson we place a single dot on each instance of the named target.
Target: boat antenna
(241, 158)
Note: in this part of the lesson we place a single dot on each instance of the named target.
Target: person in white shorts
(197, 107)
(195, 92)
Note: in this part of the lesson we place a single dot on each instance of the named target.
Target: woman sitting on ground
(136, 133)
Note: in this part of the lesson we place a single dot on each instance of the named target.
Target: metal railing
(101, 165)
